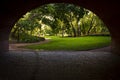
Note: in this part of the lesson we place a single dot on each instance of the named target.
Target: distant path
(104, 49)
(16, 46)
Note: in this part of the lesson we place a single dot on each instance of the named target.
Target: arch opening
(103, 10)
(60, 19)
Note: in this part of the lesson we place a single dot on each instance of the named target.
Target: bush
(25, 38)
(30, 39)
(99, 35)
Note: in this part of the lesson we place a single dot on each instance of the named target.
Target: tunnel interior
(22, 65)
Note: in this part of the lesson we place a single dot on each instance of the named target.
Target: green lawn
(73, 44)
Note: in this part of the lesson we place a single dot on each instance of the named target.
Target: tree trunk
(84, 31)
(62, 32)
(73, 29)
(91, 25)
(78, 31)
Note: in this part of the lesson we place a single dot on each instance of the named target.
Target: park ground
(51, 44)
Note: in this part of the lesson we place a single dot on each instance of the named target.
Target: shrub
(30, 39)
(99, 35)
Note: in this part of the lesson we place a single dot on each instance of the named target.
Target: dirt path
(16, 46)
(104, 49)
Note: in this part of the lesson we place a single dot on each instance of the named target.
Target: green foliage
(57, 19)
(30, 39)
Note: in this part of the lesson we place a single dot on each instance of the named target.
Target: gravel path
(104, 49)
(61, 65)
(23, 64)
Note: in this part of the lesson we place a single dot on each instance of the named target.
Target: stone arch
(12, 11)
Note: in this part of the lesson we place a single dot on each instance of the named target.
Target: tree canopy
(58, 19)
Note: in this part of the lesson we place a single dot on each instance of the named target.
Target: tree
(61, 19)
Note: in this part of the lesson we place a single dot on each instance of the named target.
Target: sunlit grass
(73, 44)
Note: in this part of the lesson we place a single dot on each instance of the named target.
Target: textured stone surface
(60, 65)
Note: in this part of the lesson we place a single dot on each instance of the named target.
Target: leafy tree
(58, 18)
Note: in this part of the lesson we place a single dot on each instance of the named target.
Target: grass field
(73, 44)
